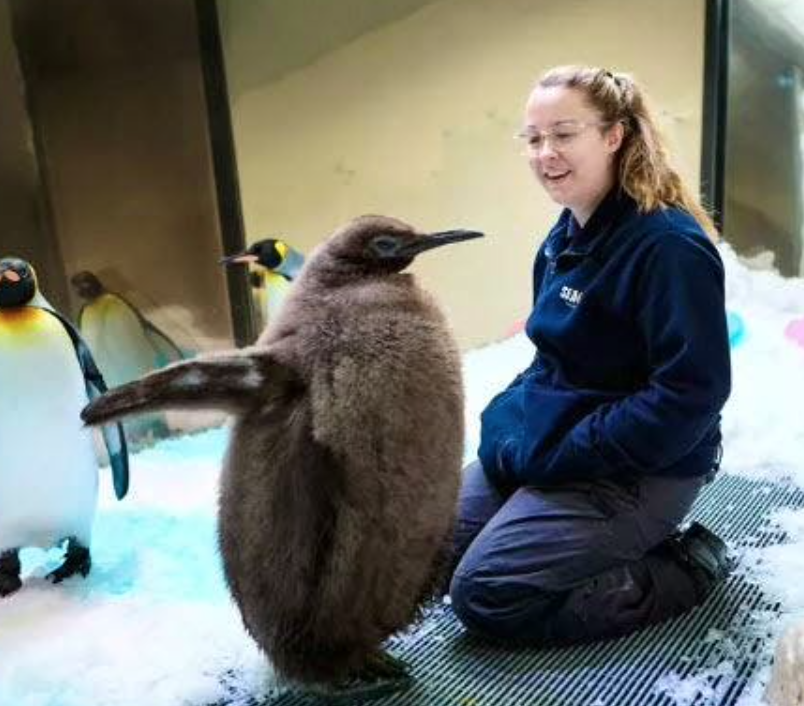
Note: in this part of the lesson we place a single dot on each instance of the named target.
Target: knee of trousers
(492, 608)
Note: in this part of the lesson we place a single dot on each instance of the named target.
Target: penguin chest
(117, 340)
(276, 289)
(48, 470)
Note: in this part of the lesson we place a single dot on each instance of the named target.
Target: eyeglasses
(560, 137)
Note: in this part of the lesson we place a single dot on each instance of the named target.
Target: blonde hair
(644, 172)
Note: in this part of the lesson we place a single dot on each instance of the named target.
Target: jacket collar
(569, 239)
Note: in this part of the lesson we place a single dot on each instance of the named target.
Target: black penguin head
(268, 252)
(86, 285)
(382, 244)
(271, 253)
(17, 282)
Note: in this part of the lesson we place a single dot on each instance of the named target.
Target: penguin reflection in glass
(340, 483)
(49, 472)
(125, 344)
(276, 265)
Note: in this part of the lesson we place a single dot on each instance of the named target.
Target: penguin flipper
(166, 349)
(116, 446)
(114, 437)
(231, 381)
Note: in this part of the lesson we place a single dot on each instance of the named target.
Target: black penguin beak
(237, 259)
(436, 240)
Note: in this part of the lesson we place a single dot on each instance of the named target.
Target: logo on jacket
(571, 296)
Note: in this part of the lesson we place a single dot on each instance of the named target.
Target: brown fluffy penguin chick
(341, 477)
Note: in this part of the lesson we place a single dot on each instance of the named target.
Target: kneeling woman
(591, 458)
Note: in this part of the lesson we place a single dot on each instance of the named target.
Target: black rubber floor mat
(719, 643)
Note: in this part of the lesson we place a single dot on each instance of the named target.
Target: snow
(154, 624)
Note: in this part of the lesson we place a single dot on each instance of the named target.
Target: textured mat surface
(720, 642)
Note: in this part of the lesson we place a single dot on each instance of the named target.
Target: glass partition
(106, 182)
(763, 166)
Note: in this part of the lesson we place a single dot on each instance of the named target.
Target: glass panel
(763, 175)
(107, 185)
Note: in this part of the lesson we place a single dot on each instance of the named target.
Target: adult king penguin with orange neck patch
(49, 472)
(339, 487)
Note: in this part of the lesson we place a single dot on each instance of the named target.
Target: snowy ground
(153, 623)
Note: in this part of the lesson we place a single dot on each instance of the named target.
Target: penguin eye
(22, 272)
(384, 245)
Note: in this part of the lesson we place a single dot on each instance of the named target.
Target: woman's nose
(543, 157)
(546, 150)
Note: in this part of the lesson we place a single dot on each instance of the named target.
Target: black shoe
(705, 555)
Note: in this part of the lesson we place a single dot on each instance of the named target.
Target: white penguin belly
(48, 469)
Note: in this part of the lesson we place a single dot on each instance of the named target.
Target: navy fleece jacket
(632, 365)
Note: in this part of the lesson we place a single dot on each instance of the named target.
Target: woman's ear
(614, 136)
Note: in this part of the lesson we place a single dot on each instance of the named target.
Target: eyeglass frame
(549, 135)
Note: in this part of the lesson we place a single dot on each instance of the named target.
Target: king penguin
(126, 345)
(276, 265)
(49, 473)
(340, 482)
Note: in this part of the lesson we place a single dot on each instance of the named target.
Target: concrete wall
(25, 230)
(415, 119)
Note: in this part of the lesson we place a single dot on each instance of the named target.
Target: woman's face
(569, 149)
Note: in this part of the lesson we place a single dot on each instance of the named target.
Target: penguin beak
(436, 240)
(10, 275)
(238, 259)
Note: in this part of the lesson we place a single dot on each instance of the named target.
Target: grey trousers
(583, 561)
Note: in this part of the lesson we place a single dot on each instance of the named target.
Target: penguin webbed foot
(9, 573)
(77, 560)
(381, 675)
(383, 665)
(9, 585)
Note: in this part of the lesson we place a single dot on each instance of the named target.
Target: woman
(591, 458)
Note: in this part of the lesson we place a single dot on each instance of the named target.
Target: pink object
(515, 328)
(795, 332)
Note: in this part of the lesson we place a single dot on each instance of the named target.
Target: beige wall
(415, 119)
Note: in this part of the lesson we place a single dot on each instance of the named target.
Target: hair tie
(617, 80)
